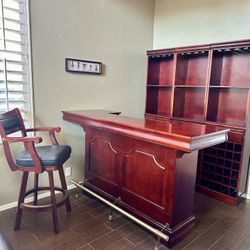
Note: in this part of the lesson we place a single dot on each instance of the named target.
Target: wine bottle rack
(219, 168)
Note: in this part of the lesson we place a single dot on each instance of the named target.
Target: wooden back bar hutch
(207, 84)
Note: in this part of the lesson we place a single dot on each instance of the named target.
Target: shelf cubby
(227, 105)
(159, 101)
(189, 103)
(160, 70)
(191, 69)
(230, 68)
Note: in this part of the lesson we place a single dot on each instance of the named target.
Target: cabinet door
(146, 174)
(101, 162)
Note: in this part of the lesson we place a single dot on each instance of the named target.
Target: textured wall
(191, 22)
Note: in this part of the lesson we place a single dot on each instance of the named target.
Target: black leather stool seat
(54, 155)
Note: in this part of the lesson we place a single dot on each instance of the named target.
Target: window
(15, 68)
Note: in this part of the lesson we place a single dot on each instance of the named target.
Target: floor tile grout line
(90, 246)
(239, 242)
(204, 232)
(129, 241)
(76, 236)
(99, 238)
(83, 223)
(113, 243)
(216, 241)
(36, 237)
(116, 228)
(201, 234)
(85, 246)
(136, 245)
(108, 226)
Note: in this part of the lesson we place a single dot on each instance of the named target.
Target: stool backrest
(11, 122)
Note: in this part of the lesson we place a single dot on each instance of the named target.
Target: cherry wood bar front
(147, 167)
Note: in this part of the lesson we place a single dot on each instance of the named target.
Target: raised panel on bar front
(144, 181)
(191, 68)
(102, 165)
(136, 177)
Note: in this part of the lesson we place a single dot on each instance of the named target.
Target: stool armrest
(55, 129)
(29, 144)
(30, 147)
(51, 131)
(22, 139)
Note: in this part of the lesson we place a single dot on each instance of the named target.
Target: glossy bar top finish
(175, 134)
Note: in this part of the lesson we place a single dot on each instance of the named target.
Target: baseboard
(29, 199)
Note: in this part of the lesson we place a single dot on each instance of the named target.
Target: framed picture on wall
(83, 66)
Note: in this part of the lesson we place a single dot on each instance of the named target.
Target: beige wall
(191, 22)
(115, 32)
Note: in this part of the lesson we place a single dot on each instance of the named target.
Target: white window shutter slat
(15, 73)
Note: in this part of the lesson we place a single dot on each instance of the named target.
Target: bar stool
(37, 160)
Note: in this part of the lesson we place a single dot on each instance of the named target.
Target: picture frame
(83, 66)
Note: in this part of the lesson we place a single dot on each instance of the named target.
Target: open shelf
(228, 87)
(230, 68)
(160, 70)
(189, 86)
(227, 106)
(189, 103)
(191, 69)
(158, 86)
(159, 101)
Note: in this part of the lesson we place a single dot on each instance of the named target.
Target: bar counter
(147, 167)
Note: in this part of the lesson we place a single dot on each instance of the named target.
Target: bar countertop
(184, 136)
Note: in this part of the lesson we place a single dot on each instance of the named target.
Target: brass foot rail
(157, 232)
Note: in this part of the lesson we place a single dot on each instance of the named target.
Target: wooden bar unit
(208, 84)
(147, 167)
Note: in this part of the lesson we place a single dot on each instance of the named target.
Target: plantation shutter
(15, 73)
